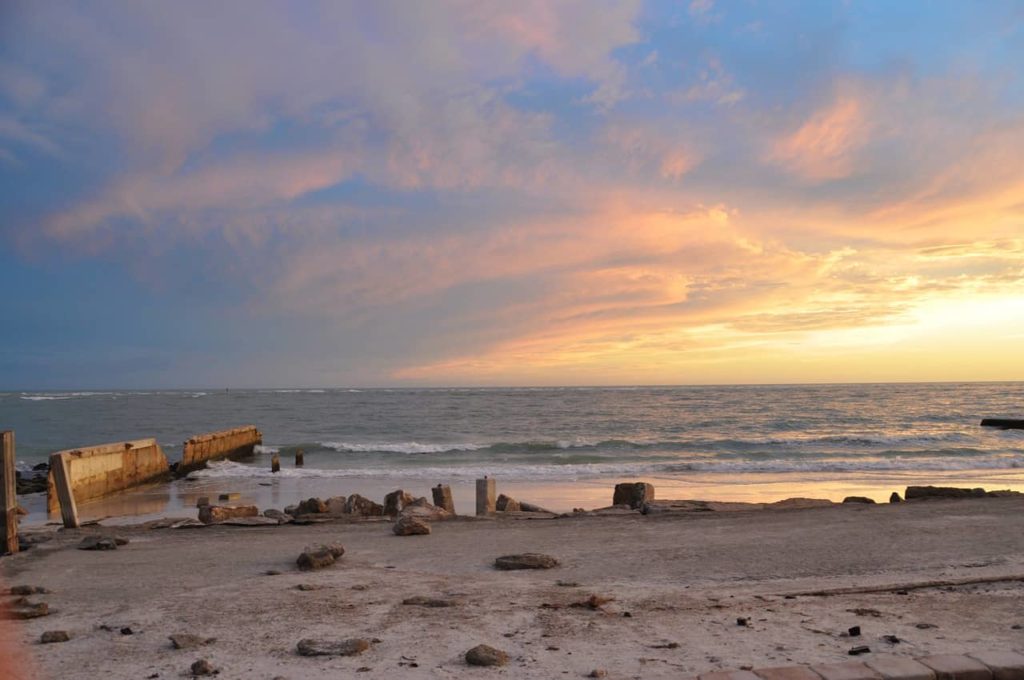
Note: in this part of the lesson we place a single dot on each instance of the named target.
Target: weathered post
(62, 484)
(299, 462)
(443, 497)
(8, 495)
(485, 496)
(275, 463)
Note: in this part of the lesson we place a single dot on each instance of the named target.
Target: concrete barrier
(97, 471)
(239, 442)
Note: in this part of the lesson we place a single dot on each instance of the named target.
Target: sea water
(726, 442)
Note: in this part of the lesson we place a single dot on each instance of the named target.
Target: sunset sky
(510, 193)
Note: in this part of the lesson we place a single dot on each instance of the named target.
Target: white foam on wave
(61, 396)
(260, 448)
(400, 447)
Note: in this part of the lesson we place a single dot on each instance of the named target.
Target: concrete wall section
(236, 443)
(98, 471)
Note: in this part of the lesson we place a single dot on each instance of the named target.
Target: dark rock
(895, 498)
(525, 561)
(1003, 423)
(98, 543)
(507, 504)
(742, 621)
(306, 587)
(891, 639)
(230, 496)
(28, 590)
(311, 506)
(853, 631)
(919, 492)
(211, 514)
(189, 641)
(202, 500)
(202, 667)
(411, 526)
(926, 626)
(633, 494)
(126, 630)
(319, 556)
(52, 636)
(363, 507)
(597, 673)
(395, 501)
(41, 466)
(350, 647)
(424, 601)
(855, 651)
(859, 499)
(485, 655)
(23, 609)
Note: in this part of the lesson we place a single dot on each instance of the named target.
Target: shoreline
(683, 580)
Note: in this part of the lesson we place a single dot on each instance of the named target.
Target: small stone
(306, 587)
(1015, 626)
(51, 636)
(895, 498)
(853, 631)
(411, 526)
(856, 651)
(485, 655)
(202, 667)
(28, 590)
(29, 610)
(891, 639)
(272, 572)
(424, 601)
(525, 561)
(127, 631)
(742, 621)
(350, 647)
(597, 673)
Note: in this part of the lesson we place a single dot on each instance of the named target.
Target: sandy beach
(676, 586)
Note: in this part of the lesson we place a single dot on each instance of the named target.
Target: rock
(291, 510)
(311, 506)
(919, 492)
(395, 501)
(202, 500)
(350, 647)
(856, 651)
(28, 590)
(442, 494)
(507, 504)
(411, 526)
(52, 636)
(212, 514)
(424, 601)
(530, 507)
(336, 505)
(202, 667)
(99, 543)
(22, 609)
(633, 494)
(421, 508)
(189, 641)
(597, 673)
(853, 631)
(743, 621)
(40, 466)
(281, 517)
(485, 655)
(799, 503)
(319, 556)
(250, 522)
(525, 561)
(306, 587)
(363, 507)
(859, 499)
(127, 630)
(232, 496)
(895, 498)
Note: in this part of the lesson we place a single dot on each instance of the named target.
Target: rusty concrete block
(956, 667)
(893, 667)
(728, 675)
(1004, 665)
(787, 673)
(847, 670)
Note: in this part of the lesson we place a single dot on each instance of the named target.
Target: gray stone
(411, 526)
(52, 636)
(525, 561)
(421, 508)
(633, 494)
(349, 647)
(956, 667)
(892, 667)
(485, 655)
(101, 543)
(1004, 665)
(319, 556)
(189, 641)
(363, 507)
(859, 499)
(395, 501)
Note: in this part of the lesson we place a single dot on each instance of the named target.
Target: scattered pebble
(853, 631)
(855, 651)
(742, 621)
(925, 626)
(484, 655)
(891, 639)
(525, 561)
(597, 673)
(424, 601)
(126, 630)
(349, 647)
(51, 636)
(202, 667)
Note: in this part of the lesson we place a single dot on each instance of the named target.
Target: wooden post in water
(298, 458)
(485, 497)
(443, 497)
(8, 495)
(275, 462)
(62, 483)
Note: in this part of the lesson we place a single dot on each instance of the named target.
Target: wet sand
(677, 583)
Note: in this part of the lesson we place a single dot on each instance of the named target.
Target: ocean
(731, 442)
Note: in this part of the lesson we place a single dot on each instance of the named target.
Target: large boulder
(423, 509)
(918, 492)
(211, 514)
(633, 494)
(311, 506)
(395, 501)
(336, 505)
(408, 525)
(363, 507)
(507, 504)
(525, 561)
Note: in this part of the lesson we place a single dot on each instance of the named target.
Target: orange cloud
(824, 146)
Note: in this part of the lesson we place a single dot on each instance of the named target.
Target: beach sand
(677, 583)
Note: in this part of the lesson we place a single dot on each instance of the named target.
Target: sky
(456, 192)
